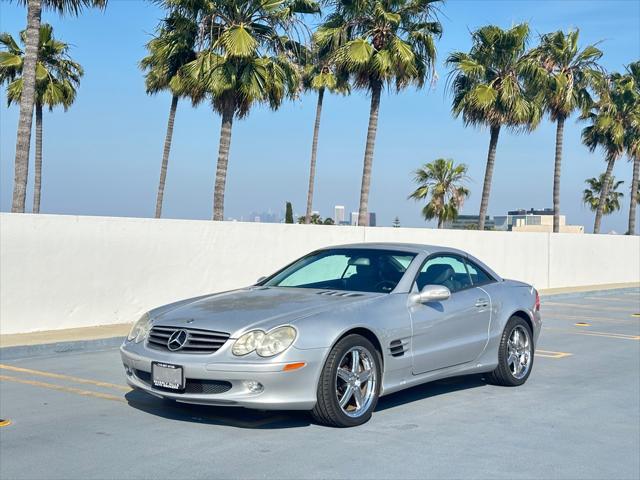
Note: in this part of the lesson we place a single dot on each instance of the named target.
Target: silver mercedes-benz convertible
(337, 329)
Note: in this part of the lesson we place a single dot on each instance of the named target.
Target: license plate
(166, 375)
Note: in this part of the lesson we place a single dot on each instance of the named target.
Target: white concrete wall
(66, 271)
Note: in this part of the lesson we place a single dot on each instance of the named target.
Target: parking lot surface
(72, 416)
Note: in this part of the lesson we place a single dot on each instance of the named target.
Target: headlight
(265, 345)
(276, 341)
(140, 329)
(247, 343)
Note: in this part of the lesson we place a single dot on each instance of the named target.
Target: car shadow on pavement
(214, 415)
(257, 419)
(432, 389)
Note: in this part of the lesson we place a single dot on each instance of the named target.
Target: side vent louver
(334, 293)
(396, 348)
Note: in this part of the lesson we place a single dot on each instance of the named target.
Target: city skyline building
(533, 220)
(338, 214)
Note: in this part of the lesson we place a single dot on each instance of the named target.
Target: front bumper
(282, 390)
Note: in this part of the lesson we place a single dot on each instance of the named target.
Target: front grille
(206, 387)
(198, 341)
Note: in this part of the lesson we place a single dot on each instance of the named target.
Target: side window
(478, 276)
(445, 270)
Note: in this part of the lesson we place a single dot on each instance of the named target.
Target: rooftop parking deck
(578, 416)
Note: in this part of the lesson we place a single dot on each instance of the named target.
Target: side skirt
(401, 379)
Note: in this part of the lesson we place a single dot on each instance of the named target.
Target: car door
(453, 331)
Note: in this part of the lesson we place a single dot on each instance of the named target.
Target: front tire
(349, 384)
(515, 355)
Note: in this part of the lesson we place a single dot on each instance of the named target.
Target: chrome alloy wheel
(356, 381)
(519, 352)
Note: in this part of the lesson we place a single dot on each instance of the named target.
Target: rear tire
(349, 384)
(515, 355)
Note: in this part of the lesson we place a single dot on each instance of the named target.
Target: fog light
(128, 371)
(253, 386)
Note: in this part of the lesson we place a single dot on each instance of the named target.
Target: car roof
(403, 247)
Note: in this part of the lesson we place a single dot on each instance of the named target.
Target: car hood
(256, 307)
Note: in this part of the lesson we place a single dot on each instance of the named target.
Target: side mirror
(432, 293)
(261, 279)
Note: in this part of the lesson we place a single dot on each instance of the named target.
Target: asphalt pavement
(73, 417)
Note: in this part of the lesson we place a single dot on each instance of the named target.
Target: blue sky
(102, 157)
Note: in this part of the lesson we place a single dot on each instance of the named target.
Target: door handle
(482, 302)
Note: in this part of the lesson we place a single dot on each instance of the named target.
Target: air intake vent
(397, 348)
(334, 293)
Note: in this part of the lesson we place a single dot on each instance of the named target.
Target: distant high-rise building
(533, 221)
(338, 214)
(372, 219)
(265, 217)
(396, 222)
(354, 218)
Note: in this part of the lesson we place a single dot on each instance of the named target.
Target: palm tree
(316, 219)
(246, 60)
(441, 181)
(381, 42)
(565, 75)
(57, 78)
(27, 100)
(591, 196)
(169, 51)
(633, 140)
(319, 74)
(609, 119)
(488, 89)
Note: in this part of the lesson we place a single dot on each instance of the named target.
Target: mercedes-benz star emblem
(177, 340)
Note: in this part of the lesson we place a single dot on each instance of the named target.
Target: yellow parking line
(588, 307)
(553, 316)
(60, 388)
(64, 377)
(623, 336)
(552, 354)
(607, 299)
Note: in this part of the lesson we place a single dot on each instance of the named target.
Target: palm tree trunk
(556, 174)
(604, 193)
(440, 222)
(165, 155)
(363, 217)
(634, 196)
(38, 170)
(488, 174)
(223, 161)
(27, 100)
(314, 151)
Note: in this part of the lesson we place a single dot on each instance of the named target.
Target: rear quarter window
(478, 275)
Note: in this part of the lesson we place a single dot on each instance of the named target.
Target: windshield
(355, 269)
